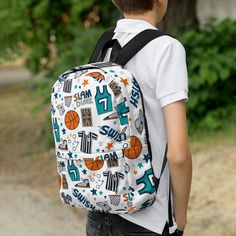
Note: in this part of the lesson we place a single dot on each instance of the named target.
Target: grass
(202, 139)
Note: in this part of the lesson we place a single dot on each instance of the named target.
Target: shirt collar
(132, 26)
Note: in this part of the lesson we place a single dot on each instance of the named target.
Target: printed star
(55, 95)
(61, 124)
(85, 82)
(75, 155)
(100, 192)
(63, 131)
(109, 146)
(80, 166)
(76, 86)
(70, 154)
(84, 171)
(124, 81)
(146, 158)
(97, 150)
(140, 165)
(94, 191)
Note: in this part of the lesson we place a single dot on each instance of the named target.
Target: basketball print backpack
(103, 153)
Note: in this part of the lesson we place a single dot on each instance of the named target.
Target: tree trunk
(181, 15)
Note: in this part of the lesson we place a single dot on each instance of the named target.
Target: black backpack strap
(136, 44)
(106, 36)
(116, 48)
(164, 161)
(170, 221)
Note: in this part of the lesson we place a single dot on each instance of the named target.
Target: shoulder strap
(136, 44)
(164, 161)
(100, 44)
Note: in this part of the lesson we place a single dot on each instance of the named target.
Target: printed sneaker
(83, 184)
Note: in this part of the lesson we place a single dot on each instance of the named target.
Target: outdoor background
(39, 39)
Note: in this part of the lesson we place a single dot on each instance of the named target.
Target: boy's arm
(179, 159)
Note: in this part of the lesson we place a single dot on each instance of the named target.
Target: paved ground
(12, 75)
(29, 205)
(25, 212)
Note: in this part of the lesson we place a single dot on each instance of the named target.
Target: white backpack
(103, 152)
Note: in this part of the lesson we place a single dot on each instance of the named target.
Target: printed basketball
(135, 148)
(59, 182)
(72, 120)
(92, 164)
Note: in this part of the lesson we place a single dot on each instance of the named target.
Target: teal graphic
(73, 171)
(122, 111)
(56, 130)
(103, 100)
(146, 179)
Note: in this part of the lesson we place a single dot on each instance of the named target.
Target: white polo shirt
(160, 69)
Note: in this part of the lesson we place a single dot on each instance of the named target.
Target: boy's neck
(149, 17)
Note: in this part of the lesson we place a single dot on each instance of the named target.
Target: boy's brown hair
(134, 6)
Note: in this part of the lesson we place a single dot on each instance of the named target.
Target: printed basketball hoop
(114, 199)
(68, 100)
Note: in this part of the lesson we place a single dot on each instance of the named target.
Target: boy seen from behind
(160, 69)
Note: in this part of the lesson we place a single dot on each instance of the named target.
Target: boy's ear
(159, 2)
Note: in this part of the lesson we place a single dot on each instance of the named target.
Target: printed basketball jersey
(67, 86)
(112, 182)
(86, 141)
(103, 100)
(101, 143)
(73, 171)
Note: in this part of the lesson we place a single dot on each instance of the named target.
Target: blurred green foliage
(211, 56)
(14, 26)
(48, 31)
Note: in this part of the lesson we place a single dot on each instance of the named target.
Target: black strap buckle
(178, 232)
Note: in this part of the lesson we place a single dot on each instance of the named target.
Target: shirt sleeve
(172, 76)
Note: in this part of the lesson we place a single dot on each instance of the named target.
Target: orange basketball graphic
(72, 120)
(135, 148)
(92, 164)
(59, 181)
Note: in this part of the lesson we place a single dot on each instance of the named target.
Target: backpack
(104, 157)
